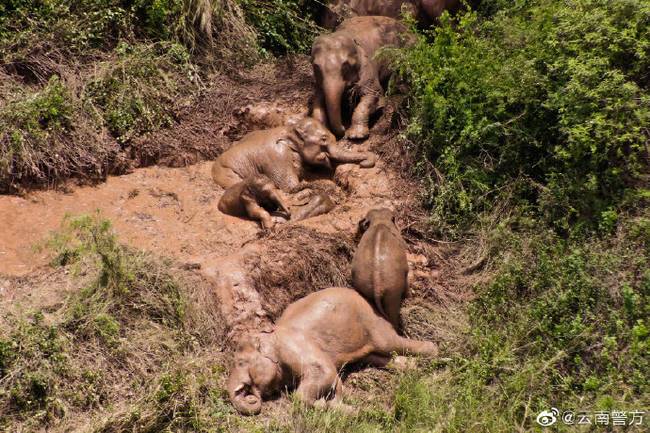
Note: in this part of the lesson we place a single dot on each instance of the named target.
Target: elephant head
(318, 145)
(376, 216)
(336, 62)
(255, 374)
(311, 140)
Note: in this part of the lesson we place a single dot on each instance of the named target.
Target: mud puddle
(170, 211)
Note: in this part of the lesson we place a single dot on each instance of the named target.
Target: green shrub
(562, 324)
(46, 135)
(543, 106)
(129, 287)
(283, 26)
(135, 92)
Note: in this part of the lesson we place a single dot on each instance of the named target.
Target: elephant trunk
(333, 90)
(245, 398)
(339, 154)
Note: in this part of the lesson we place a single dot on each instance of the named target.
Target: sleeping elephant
(282, 153)
(313, 339)
(254, 197)
(425, 11)
(344, 66)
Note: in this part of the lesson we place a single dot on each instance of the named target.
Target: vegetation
(543, 106)
(81, 81)
(528, 123)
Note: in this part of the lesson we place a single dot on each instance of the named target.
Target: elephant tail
(377, 280)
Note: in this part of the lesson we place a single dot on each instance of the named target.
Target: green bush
(543, 106)
(46, 134)
(283, 26)
(135, 93)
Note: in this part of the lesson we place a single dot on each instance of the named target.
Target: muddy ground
(250, 274)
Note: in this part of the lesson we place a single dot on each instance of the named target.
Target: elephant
(344, 67)
(254, 197)
(281, 154)
(379, 266)
(426, 12)
(312, 340)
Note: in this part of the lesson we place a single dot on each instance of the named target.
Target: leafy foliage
(544, 106)
(284, 26)
(135, 94)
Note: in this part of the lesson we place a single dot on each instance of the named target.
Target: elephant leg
(281, 202)
(318, 205)
(387, 341)
(319, 110)
(392, 303)
(361, 116)
(318, 381)
(376, 360)
(257, 212)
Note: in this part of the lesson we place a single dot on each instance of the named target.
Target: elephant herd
(263, 173)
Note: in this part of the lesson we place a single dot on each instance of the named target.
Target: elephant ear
(247, 344)
(364, 223)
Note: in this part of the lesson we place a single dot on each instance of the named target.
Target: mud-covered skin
(425, 11)
(313, 339)
(344, 65)
(252, 198)
(319, 203)
(281, 154)
(379, 266)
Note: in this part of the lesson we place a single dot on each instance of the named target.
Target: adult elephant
(425, 11)
(345, 68)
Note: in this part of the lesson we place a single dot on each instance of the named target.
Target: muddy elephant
(254, 197)
(282, 153)
(345, 68)
(312, 340)
(379, 266)
(425, 11)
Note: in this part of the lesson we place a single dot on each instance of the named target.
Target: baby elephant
(379, 267)
(313, 339)
(254, 197)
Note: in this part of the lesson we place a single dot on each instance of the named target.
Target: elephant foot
(403, 363)
(369, 162)
(358, 132)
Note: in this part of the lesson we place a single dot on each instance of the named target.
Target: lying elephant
(313, 339)
(425, 11)
(344, 65)
(282, 153)
(254, 197)
(379, 266)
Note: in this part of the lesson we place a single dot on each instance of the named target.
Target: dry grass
(298, 261)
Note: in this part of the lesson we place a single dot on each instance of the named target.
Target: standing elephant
(282, 153)
(313, 339)
(344, 67)
(379, 266)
